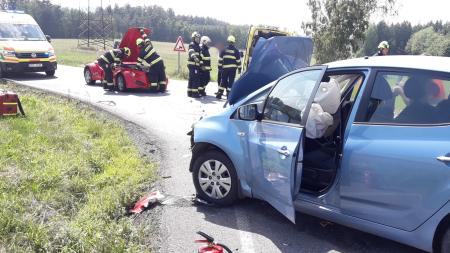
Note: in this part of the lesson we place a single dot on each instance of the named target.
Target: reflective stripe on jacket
(229, 58)
(193, 53)
(112, 56)
(205, 57)
(148, 56)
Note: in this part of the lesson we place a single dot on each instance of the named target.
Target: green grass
(66, 175)
(68, 53)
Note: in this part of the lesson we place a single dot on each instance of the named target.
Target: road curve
(249, 226)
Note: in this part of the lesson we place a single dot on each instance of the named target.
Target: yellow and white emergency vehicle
(254, 34)
(23, 45)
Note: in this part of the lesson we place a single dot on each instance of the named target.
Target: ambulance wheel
(121, 83)
(215, 178)
(50, 73)
(88, 77)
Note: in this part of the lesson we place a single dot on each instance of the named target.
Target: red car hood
(129, 40)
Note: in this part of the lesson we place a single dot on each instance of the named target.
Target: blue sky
(284, 14)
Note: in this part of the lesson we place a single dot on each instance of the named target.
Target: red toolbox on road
(10, 104)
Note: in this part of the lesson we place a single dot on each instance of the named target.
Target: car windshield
(20, 32)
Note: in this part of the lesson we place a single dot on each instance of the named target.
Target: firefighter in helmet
(205, 62)
(106, 62)
(150, 61)
(383, 49)
(194, 64)
(229, 61)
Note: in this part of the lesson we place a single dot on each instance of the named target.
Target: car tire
(121, 83)
(50, 73)
(445, 242)
(88, 77)
(215, 178)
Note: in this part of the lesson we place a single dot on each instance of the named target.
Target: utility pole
(95, 30)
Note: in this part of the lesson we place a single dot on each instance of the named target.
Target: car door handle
(444, 159)
(283, 151)
(241, 134)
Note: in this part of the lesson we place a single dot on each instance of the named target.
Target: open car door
(276, 141)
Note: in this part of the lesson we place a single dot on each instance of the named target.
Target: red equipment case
(10, 104)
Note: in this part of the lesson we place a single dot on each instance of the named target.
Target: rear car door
(275, 142)
(396, 160)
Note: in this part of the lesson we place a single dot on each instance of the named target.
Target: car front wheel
(215, 178)
(121, 83)
(88, 76)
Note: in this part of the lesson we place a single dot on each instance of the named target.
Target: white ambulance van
(23, 45)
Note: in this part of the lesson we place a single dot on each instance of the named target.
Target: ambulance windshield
(20, 32)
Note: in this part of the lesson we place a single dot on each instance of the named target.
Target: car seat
(381, 103)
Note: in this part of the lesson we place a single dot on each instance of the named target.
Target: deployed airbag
(326, 103)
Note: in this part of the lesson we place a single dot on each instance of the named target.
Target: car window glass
(409, 98)
(290, 96)
(259, 100)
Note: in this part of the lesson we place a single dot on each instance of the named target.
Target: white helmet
(205, 40)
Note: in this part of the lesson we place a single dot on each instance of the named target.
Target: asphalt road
(250, 225)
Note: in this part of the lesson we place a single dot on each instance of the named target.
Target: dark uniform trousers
(107, 68)
(228, 75)
(157, 74)
(229, 62)
(106, 62)
(194, 79)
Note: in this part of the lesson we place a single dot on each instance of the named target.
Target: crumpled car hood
(272, 58)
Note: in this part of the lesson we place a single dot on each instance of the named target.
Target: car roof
(11, 17)
(435, 63)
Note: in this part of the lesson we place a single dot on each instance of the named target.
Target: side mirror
(49, 39)
(241, 53)
(248, 112)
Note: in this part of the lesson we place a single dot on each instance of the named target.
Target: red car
(126, 75)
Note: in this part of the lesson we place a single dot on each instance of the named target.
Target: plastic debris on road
(146, 202)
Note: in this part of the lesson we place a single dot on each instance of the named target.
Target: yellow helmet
(139, 41)
(383, 44)
(127, 51)
(231, 39)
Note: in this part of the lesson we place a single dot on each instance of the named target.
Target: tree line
(62, 22)
(432, 38)
(341, 29)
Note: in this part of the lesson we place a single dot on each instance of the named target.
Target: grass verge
(69, 54)
(66, 175)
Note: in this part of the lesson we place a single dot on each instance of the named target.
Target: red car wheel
(88, 76)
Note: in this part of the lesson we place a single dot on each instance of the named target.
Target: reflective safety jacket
(205, 57)
(148, 56)
(112, 56)
(194, 53)
(229, 58)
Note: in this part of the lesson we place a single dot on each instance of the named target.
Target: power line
(96, 31)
